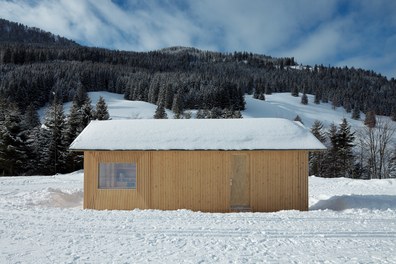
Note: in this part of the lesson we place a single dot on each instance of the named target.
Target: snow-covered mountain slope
(284, 105)
(350, 221)
(118, 107)
(281, 105)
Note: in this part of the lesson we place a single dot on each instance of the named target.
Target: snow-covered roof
(196, 134)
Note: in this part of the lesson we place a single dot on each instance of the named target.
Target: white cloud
(311, 31)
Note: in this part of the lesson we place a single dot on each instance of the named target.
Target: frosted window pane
(117, 176)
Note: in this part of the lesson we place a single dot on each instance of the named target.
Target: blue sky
(355, 33)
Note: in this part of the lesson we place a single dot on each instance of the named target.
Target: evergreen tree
(356, 113)
(31, 118)
(344, 142)
(177, 105)
(87, 112)
(54, 131)
(261, 97)
(202, 114)
(80, 96)
(160, 112)
(317, 98)
(74, 122)
(13, 151)
(43, 151)
(101, 112)
(216, 113)
(256, 93)
(316, 158)
(268, 89)
(187, 115)
(304, 99)
(393, 114)
(31, 124)
(339, 159)
(237, 114)
(294, 91)
(317, 131)
(370, 120)
(330, 163)
(74, 126)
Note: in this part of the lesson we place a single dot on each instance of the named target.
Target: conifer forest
(38, 68)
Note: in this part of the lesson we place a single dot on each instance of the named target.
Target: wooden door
(240, 183)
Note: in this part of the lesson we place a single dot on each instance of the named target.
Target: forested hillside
(38, 64)
(37, 68)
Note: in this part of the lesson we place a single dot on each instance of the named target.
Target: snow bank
(370, 202)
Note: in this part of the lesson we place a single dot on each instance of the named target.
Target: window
(117, 176)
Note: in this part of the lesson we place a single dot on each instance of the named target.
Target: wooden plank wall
(196, 180)
(116, 199)
(279, 180)
(200, 180)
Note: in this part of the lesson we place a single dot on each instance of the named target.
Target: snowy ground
(350, 221)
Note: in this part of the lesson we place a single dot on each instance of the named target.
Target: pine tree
(31, 118)
(304, 99)
(13, 150)
(256, 94)
(370, 120)
(316, 158)
(339, 159)
(261, 97)
(74, 127)
(356, 113)
(330, 163)
(101, 112)
(317, 131)
(216, 113)
(87, 112)
(317, 98)
(187, 115)
(201, 114)
(393, 114)
(177, 105)
(31, 124)
(42, 149)
(344, 141)
(81, 95)
(57, 148)
(268, 89)
(237, 114)
(160, 112)
(294, 91)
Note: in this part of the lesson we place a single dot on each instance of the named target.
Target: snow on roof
(196, 134)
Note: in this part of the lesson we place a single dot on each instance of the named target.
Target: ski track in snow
(41, 221)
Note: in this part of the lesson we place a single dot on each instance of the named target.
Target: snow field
(41, 221)
(350, 221)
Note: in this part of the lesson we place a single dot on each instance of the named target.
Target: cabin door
(240, 187)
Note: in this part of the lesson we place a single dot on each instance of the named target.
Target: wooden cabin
(209, 165)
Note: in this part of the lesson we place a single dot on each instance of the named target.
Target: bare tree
(375, 144)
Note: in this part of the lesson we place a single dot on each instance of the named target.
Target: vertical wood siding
(279, 180)
(200, 180)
